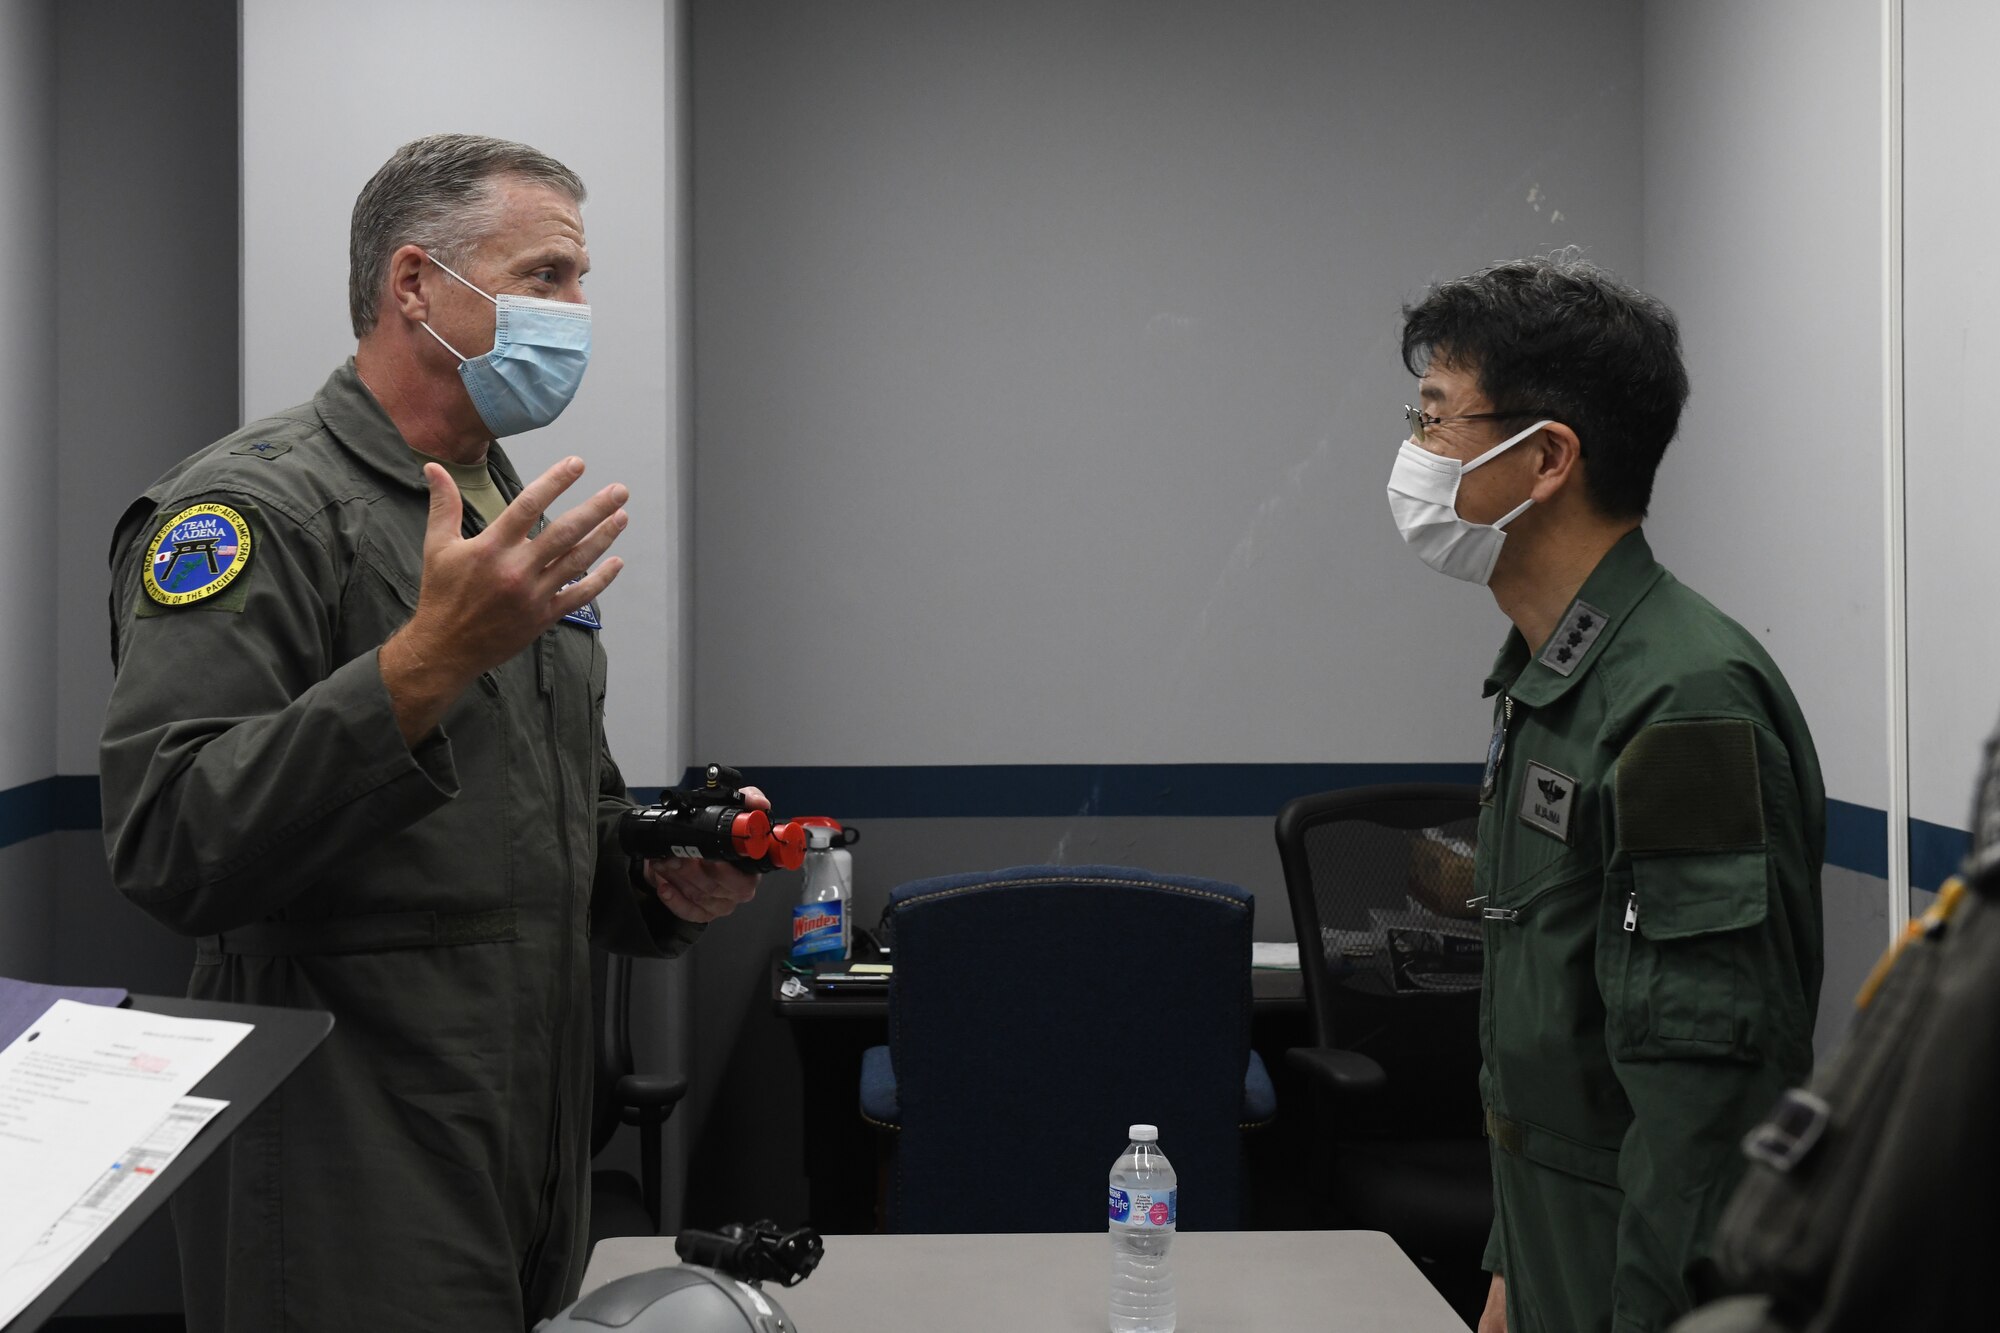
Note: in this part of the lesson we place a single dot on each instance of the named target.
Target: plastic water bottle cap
(1145, 1133)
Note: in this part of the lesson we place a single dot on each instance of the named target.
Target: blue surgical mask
(540, 351)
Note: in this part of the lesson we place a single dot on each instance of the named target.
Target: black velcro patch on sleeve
(1691, 787)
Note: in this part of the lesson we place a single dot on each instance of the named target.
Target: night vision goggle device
(711, 823)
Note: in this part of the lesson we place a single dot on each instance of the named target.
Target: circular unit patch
(197, 554)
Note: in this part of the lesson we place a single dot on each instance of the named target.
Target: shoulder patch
(1571, 642)
(196, 555)
(262, 449)
(1691, 787)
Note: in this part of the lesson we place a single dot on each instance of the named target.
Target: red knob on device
(750, 833)
(788, 846)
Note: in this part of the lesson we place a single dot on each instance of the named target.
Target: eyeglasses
(1421, 421)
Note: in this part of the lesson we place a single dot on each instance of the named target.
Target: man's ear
(406, 284)
(1558, 458)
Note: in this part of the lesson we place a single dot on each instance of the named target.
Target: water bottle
(821, 922)
(1144, 1208)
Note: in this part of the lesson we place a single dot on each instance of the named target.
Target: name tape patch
(199, 552)
(1547, 797)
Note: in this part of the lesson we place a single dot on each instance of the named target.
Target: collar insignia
(1571, 642)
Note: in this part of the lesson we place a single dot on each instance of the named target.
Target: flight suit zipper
(544, 650)
(1496, 751)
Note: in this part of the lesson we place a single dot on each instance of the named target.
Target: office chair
(620, 1205)
(1035, 1015)
(1390, 953)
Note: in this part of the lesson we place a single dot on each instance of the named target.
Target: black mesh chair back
(1391, 952)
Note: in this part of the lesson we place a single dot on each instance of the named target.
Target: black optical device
(718, 1288)
(711, 823)
(758, 1252)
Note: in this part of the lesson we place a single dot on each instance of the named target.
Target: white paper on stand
(81, 1086)
(1273, 956)
(136, 1168)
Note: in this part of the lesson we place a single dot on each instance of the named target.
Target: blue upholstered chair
(1037, 1013)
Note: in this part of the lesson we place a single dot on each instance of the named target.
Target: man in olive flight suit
(1652, 813)
(356, 747)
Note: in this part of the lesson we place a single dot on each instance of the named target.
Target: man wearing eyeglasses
(1652, 816)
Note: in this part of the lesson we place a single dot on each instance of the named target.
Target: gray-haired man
(356, 747)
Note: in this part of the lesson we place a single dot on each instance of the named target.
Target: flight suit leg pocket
(1687, 921)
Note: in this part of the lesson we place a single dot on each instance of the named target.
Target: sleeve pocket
(1683, 989)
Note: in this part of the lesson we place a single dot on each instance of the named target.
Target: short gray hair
(435, 192)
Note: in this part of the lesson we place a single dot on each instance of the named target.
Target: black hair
(1558, 337)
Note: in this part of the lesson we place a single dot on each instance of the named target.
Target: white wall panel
(1952, 348)
(329, 91)
(34, 547)
(1763, 189)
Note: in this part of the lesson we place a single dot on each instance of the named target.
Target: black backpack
(1872, 1201)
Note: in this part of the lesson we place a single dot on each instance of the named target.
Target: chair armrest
(650, 1091)
(1345, 1072)
(879, 1106)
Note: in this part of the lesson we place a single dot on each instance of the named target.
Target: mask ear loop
(1514, 513)
(1504, 446)
(425, 325)
(462, 358)
(1500, 524)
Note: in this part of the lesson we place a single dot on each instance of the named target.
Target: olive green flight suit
(428, 1166)
(1649, 866)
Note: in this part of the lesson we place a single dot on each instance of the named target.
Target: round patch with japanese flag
(200, 551)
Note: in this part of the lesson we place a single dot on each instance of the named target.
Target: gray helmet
(685, 1299)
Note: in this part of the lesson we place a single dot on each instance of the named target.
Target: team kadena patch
(1547, 797)
(200, 552)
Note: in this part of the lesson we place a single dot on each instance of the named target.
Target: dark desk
(831, 1031)
(1272, 992)
(279, 1040)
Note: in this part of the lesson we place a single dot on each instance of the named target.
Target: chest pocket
(1542, 824)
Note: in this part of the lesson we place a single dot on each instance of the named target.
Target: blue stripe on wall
(1935, 852)
(1058, 791)
(1857, 837)
(48, 806)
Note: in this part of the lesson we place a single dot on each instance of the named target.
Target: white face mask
(1423, 495)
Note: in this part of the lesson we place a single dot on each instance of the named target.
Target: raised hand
(485, 598)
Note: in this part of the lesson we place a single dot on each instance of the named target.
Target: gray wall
(1046, 365)
(1951, 196)
(146, 367)
(1763, 188)
(1045, 394)
(28, 520)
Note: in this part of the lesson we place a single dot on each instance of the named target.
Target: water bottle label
(816, 929)
(1145, 1208)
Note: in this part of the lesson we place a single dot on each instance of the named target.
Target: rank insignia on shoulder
(266, 449)
(199, 552)
(1571, 642)
(1547, 797)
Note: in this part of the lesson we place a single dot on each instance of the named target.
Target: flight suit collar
(357, 420)
(1620, 582)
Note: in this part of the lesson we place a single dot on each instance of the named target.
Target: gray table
(1227, 1282)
